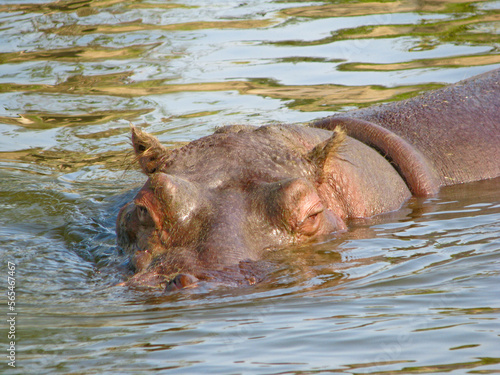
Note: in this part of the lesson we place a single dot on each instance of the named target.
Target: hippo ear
(324, 153)
(148, 150)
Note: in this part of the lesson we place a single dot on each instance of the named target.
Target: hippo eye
(310, 224)
(143, 215)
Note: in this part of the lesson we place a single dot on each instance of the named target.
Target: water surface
(415, 291)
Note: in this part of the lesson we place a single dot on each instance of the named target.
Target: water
(415, 291)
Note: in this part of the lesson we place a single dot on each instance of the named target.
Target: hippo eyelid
(315, 209)
(312, 215)
(143, 213)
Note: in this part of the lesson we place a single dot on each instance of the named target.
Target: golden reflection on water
(305, 98)
(69, 161)
(134, 26)
(79, 5)
(441, 368)
(351, 9)
(51, 120)
(465, 26)
(453, 62)
(457, 22)
(76, 54)
(456, 29)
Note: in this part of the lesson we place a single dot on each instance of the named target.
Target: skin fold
(211, 209)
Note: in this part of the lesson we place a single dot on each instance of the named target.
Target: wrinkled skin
(211, 209)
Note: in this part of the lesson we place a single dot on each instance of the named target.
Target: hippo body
(211, 209)
(453, 133)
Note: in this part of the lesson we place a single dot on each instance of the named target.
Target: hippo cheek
(125, 227)
(141, 260)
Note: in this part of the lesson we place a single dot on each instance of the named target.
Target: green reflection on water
(135, 26)
(82, 5)
(68, 161)
(52, 120)
(305, 98)
(77, 54)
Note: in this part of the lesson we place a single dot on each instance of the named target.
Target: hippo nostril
(181, 281)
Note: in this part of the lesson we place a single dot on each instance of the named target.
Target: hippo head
(228, 198)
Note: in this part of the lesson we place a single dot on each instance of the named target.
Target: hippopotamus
(211, 209)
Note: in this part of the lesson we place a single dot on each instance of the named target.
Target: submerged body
(210, 209)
